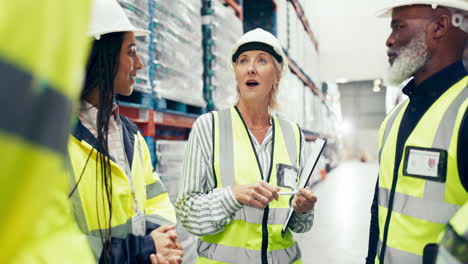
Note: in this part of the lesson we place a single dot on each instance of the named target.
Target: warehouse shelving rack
(294, 67)
(300, 12)
(156, 122)
(157, 118)
(236, 6)
(271, 6)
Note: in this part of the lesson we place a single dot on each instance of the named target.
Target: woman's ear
(278, 77)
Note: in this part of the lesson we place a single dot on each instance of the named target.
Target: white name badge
(286, 176)
(425, 163)
(139, 224)
(290, 177)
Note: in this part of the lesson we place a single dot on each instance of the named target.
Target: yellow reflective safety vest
(454, 246)
(43, 53)
(140, 193)
(422, 204)
(254, 235)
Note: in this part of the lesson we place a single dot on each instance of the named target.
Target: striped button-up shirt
(88, 117)
(205, 210)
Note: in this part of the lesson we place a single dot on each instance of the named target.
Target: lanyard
(127, 167)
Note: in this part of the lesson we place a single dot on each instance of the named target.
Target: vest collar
(253, 144)
(434, 86)
(130, 130)
(82, 134)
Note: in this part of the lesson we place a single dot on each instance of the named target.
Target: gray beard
(410, 59)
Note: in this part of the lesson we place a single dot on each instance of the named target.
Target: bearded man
(423, 141)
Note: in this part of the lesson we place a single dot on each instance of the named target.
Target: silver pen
(289, 193)
(293, 192)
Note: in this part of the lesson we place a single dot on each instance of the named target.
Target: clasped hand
(168, 248)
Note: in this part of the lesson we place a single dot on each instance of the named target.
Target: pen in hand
(294, 192)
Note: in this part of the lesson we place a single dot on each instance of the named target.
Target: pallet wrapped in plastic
(170, 155)
(177, 48)
(309, 114)
(291, 93)
(138, 14)
(227, 29)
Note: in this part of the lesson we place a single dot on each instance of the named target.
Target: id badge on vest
(286, 176)
(138, 224)
(425, 163)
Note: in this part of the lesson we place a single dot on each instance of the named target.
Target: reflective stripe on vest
(90, 226)
(459, 222)
(290, 140)
(85, 199)
(155, 189)
(226, 147)
(119, 231)
(236, 164)
(417, 207)
(389, 124)
(254, 215)
(421, 208)
(40, 116)
(454, 246)
(42, 62)
(242, 255)
(393, 255)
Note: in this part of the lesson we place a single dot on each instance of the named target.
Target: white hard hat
(458, 4)
(107, 16)
(258, 37)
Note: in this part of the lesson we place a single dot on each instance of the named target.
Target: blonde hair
(274, 93)
(273, 104)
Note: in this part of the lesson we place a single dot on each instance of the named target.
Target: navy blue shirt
(421, 98)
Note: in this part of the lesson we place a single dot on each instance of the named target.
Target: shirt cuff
(230, 202)
(304, 216)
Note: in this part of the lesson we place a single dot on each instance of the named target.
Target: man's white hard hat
(459, 19)
(387, 11)
(107, 16)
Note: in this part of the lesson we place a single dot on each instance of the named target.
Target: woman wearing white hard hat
(230, 192)
(119, 203)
